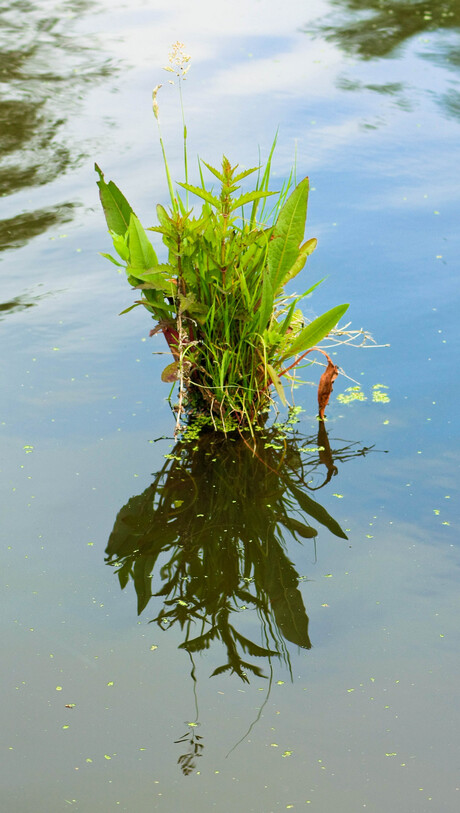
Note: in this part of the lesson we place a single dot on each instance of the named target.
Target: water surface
(356, 705)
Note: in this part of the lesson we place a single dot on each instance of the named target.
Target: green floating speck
(351, 394)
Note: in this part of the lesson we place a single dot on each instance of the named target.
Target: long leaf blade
(287, 236)
(315, 331)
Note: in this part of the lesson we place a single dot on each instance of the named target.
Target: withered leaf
(325, 386)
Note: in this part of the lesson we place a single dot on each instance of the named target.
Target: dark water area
(191, 626)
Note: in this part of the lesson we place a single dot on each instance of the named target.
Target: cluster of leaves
(220, 299)
(193, 540)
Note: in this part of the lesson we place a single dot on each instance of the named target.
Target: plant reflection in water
(207, 539)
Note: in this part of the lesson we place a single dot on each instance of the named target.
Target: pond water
(324, 587)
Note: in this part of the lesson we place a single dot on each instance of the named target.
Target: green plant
(220, 298)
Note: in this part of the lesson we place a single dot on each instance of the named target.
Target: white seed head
(178, 60)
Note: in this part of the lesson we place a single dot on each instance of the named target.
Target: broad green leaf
(141, 251)
(313, 333)
(116, 208)
(204, 194)
(288, 232)
(277, 384)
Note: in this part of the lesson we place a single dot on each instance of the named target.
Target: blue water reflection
(94, 697)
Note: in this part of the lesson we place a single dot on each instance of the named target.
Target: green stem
(185, 141)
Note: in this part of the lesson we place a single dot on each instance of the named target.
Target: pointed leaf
(120, 245)
(253, 649)
(305, 250)
(126, 310)
(164, 218)
(112, 259)
(315, 510)
(201, 642)
(116, 208)
(315, 331)
(221, 669)
(245, 174)
(215, 172)
(204, 194)
(249, 197)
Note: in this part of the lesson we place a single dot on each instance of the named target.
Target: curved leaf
(315, 331)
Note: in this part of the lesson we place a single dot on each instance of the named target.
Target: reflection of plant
(377, 28)
(188, 760)
(208, 538)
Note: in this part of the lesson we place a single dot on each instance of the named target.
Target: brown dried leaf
(325, 386)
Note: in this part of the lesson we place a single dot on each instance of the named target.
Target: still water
(212, 630)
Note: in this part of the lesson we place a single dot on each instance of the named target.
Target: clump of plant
(219, 299)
